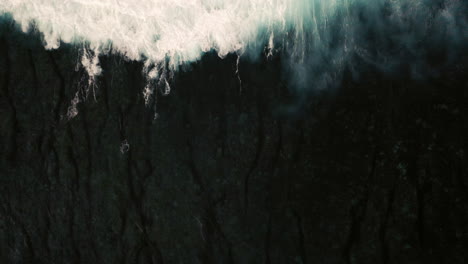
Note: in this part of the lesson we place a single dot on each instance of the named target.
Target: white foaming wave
(319, 36)
(165, 34)
(180, 30)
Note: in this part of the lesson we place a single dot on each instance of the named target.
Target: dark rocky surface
(374, 171)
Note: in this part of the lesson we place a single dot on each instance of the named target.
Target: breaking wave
(318, 39)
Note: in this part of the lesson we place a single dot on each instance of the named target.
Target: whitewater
(317, 38)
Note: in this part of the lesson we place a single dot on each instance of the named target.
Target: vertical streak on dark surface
(211, 230)
(259, 146)
(61, 92)
(420, 218)
(301, 238)
(268, 242)
(88, 179)
(12, 142)
(74, 189)
(358, 213)
(31, 254)
(269, 202)
(33, 72)
(384, 223)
